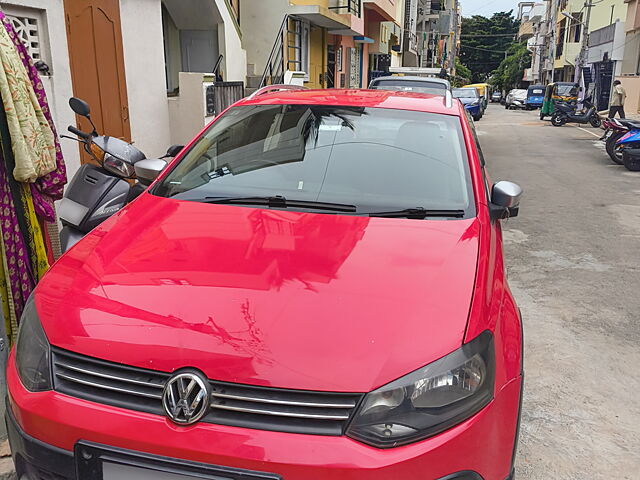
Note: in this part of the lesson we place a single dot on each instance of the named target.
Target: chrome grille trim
(283, 402)
(109, 377)
(246, 406)
(108, 387)
(315, 416)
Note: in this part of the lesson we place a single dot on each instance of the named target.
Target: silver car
(430, 85)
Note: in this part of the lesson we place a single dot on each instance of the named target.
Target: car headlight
(429, 400)
(33, 351)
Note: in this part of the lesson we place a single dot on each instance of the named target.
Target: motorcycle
(567, 113)
(629, 147)
(102, 188)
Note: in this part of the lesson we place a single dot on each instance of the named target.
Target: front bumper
(473, 109)
(46, 428)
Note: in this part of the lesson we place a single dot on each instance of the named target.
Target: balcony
(569, 53)
(387, 9)
(342, 17)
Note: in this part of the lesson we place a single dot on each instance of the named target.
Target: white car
(516, 98)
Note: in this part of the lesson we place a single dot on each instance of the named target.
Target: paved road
(573, 260)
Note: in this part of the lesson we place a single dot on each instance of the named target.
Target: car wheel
(632, 162)
(477, 117)
(506, 106)
(614, 153)
(557, 121)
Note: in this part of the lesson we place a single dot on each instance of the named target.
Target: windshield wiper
(279, 201)
(419, 213)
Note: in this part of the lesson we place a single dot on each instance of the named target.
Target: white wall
(144, 67)
(260, 21)
(58, 86)
(230, 43)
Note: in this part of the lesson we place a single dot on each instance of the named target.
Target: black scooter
(567, 113)
(97, 192)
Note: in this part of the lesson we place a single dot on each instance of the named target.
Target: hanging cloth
(50, 187)
(32, 140)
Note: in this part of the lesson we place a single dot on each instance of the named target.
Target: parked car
(496, 97)
(415, 84)
(516, 98)
(313, 289)
(470, 98)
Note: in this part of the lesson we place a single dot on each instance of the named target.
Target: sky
(487, 7)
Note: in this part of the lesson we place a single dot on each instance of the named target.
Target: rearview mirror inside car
(174, 150)
(505, 200)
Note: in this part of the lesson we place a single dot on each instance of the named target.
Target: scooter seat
(630, 124)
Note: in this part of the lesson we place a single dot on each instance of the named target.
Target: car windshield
(465, 93)
(376, 159)
(416, 86)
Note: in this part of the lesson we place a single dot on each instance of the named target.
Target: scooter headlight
(429, 400)
(117, 166)
(33, 353)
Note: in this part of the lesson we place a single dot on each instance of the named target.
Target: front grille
(248, 406)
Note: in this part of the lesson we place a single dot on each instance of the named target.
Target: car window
(377, 159)
(465, 93)
(416, 86)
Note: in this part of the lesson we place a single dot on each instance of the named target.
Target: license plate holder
(94, 460)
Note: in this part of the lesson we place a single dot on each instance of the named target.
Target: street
(573, 264)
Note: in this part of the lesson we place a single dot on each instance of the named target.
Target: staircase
(286, 54)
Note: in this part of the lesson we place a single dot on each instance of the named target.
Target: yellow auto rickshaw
(558, 92)
(485, 92)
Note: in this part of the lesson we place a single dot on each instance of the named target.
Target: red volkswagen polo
(314, 289)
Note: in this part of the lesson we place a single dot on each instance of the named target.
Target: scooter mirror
(80, 107)
(148, 170)
(174, 150)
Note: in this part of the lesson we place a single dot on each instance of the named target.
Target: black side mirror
(505, 200)
(80, 107)
(174, 150)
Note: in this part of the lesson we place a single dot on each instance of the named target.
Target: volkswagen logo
(186, 397)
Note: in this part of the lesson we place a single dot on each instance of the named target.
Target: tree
(484, 41)
(509, 73)
(463, 74)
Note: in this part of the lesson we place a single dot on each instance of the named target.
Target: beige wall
(632, 86)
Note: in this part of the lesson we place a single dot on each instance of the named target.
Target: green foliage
(483, 54)
(463, 74)
(509, 73)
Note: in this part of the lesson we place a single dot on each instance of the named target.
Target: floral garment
(32, 140)
(50, 187)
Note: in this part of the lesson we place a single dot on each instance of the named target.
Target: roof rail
(275, 88)
(448, 99)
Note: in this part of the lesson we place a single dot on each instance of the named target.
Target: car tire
(506, 106)
(477, 117)
(614, 154)
(595, 121)
(631, 162)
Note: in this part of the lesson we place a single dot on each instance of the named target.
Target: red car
(314, 289)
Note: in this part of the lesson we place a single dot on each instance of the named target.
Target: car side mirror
(174, 150)
(505, 200)
(80, 107)
(148, 170)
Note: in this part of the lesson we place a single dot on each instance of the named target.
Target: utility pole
(585, 39)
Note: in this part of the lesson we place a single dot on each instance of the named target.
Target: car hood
(467, 100)
(264, 297)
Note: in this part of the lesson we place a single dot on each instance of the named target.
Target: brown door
(97, 64)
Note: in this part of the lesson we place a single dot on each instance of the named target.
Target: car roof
(412, 78)
(420, 102)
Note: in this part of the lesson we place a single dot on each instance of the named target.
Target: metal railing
(275, 68)
(354, 7)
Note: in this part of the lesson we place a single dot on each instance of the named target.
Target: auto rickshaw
(558, 92)
(485, 92)
(535, 97)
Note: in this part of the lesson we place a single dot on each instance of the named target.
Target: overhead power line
(462, 45)
(471, 35)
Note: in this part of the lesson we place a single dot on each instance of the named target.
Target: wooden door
(97, 64)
